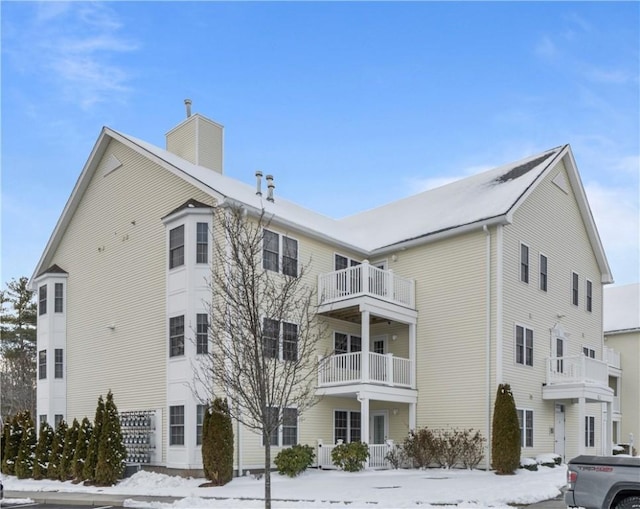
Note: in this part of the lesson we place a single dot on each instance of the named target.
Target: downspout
(488, 344)
(239, 434)
(499, 288)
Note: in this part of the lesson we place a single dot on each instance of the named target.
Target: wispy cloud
(75, 46)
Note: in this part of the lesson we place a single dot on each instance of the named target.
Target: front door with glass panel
(378, 428)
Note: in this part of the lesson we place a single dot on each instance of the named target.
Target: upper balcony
(339, 288)
(577, 376)
(612, 359)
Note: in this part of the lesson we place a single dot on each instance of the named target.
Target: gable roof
(484, 199)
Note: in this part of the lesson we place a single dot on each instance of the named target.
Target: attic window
(521, 170)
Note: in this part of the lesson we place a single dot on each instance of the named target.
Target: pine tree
(89, 472)
(14, 437)
(26, 451)
(111, 451)
(57, 448)
(43, 451)
(66, 462)
(505, 446)
(82, 446)
(217, 443)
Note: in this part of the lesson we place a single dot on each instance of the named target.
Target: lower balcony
(347, 369)
(577, 377)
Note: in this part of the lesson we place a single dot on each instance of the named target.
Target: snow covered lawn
(323, 489)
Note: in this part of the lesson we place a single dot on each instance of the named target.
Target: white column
(412, 416)
(364, 419)
(606, 449)
(413, 353)
(365, 346)
(581, 428)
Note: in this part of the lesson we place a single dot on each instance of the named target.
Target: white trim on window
(350, 262)
(589, 431)
(575, 288)
(589, 352)
(525, 263)
(588, 301)
(282, 260)
(523, 347)
(525, 420)
(543, 276)
(349, 425)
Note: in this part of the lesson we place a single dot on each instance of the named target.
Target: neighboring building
(621, 319)
(496, 278)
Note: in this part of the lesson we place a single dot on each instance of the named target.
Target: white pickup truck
(603, 482)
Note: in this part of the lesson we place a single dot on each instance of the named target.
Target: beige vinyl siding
(628, 344)
(114, 252)
(450, 278)
(181, 140)
(549, 222)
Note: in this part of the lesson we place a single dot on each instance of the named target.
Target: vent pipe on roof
(271, 187)
(187, 103)
(259, 183)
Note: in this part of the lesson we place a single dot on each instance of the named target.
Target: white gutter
(499, 291)
(488, 344)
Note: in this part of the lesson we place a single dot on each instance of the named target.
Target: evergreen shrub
(57, 448)
(43, 451)
(65, 472)
(26, 451)
(350, 457)
(13, 437)
(505, 446)
(111, 450)
(294, 460)
(217, 443)
(89, 471)
(82, 447)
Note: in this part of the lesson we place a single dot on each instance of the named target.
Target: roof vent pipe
(271, 187)
(187, 103)
(259, 183)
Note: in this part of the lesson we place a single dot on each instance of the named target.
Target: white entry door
(378, 427)
(559, 431)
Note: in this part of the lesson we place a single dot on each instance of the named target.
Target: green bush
(26, 451)
(12, 438)
(89, 470)
(82, 447)
(505, 446)
(294, 460)
(217, 443)
(350, 457)
(65, 471)
(111, 449)
(43, 451)
(57, 448)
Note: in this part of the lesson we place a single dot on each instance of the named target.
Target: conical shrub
(505, 444)
(111, 450)
(66, 462)
(92, 449)
(43, 451)
(82, 447)
(217, 443)
(13, 439)
(57, 448)
(26, 451)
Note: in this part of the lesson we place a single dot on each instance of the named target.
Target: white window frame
(202, 256)
(522, 421)
(525, 268)
(176, 336)
(42, 366)
(58, 300)
(588, 301)
(349, 338)
(277, 439)
(202, 337)
(589, 352)
(349, 428)
(280, 353)
(575, 288)
(199, 422)
(42, 300)
(58, 363)
(525, 350)
(542, 279)
(177, 426)
(173, 264)
(589, 431)
(351, 262)
(281, 253)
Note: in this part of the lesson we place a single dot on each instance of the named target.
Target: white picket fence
(377, 454)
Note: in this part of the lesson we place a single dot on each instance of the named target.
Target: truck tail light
(571, 476)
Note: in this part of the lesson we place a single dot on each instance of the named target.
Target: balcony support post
(365, 346)
(581, 425)
(412, 416)
(607, 437)
(412, 353)
(364, 419)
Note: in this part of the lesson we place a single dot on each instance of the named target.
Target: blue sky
(349, 105)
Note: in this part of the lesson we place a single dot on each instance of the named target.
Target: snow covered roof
(483, 199)
(621, 308)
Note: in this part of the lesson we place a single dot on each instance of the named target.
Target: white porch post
(412, 353)
(581, 425)
(364, 420)
(365, 346)
(412, 416)
(608, 436)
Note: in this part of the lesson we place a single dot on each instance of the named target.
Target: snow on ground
(316, 489)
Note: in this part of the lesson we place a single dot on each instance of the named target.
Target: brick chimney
(198, 140)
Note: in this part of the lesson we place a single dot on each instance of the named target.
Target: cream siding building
(429, 302)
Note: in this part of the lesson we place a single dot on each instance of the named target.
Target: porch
(578, 369)
(347, 369)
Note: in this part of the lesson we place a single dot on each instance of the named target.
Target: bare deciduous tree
(263, 331)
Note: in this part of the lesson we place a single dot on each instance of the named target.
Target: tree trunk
(267, 473)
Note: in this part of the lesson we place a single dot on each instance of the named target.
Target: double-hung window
(176, 336)
(524, 346)
(575, 291)
(176, 247)
(176, 425)
(347, 426)
(589, 352)
(346, 343)
(202, 243)
(202, 333)
(42, 300)
(272, 245)
(589, 431)
(284, 426)
(525, 419)
(524, 263)
(280, 340)
(58, 363)
(589, 296)
(543, 273)
(58, 303)
(200, 410)
(42, 365)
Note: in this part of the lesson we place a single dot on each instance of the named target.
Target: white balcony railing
(576, 369)
(377, 456)
(612, 357)
(365, 279)
(346, 368)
